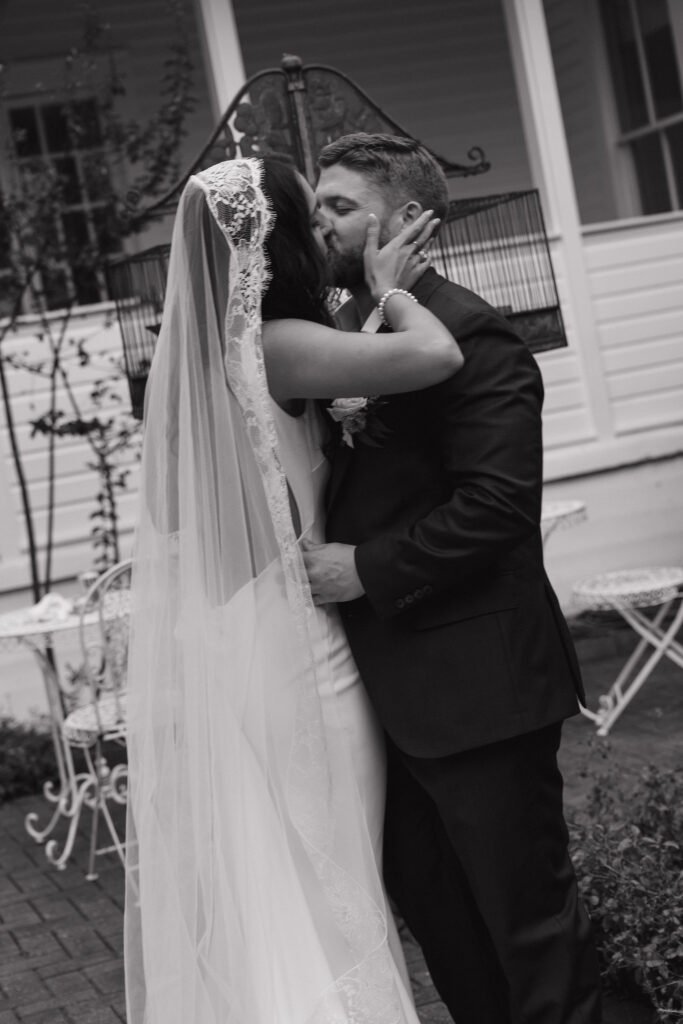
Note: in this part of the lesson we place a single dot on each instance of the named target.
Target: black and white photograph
(341, 505)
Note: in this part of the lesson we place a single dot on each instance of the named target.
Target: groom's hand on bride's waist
(332, 572)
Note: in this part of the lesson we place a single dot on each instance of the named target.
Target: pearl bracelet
(387, 295)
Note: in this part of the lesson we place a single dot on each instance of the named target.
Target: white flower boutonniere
(354, 414)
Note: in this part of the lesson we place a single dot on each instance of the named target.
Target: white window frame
(38, 83)
(627, 191)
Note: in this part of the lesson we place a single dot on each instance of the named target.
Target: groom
(436, 560)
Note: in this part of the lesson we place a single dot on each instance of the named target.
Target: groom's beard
(346, 269)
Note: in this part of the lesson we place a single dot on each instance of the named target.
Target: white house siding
(636, 279)
(440, 68)
(76, 484)
(635, 514)
(582, 82)
(567, 418)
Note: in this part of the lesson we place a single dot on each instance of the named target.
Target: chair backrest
(103, 629)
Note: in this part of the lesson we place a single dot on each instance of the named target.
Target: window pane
(649, 164)
(85, 282)
(96, 176)
(66, 138)
(75, 232)
(80, 257)
(68, 176)
(36, 176)
(24, 129)
(624, 64)
(56, 127)
(71, 126)
(675, 139)
(55, 289)
(85, 124)
(105, 230)
(5, 240)
(660, 54)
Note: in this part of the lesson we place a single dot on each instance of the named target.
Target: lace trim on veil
(367, 994)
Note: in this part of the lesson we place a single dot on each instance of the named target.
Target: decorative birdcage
(497, 246)
(137, 284)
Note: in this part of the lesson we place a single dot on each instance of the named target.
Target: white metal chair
(628, 592)
(100, 718)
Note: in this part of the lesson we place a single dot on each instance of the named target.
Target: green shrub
(627, 846)
(27, 757)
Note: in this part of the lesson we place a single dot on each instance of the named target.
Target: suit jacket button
(428, 590)
(399, 602)
(419, 593)
(409, 599)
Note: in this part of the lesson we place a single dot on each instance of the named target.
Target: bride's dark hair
(298, 287)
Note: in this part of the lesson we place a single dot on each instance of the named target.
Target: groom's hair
(400, 168)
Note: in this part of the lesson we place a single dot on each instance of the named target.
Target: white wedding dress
(306, 468)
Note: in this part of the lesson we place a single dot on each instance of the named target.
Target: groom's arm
(491, 439)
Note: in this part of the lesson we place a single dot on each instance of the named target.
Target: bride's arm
(308, 360)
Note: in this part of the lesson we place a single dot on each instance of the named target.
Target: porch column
(222, 52)
(552, 173)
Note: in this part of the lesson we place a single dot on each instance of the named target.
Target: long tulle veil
(252, 894)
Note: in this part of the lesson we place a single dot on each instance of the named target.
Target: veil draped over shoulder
(252, 892)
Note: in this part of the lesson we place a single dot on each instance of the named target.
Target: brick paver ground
(61, 936)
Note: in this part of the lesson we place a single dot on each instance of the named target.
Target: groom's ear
(410, 211)
(403, 216)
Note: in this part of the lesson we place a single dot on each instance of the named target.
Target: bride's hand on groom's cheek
(402, 260)
(331, 572)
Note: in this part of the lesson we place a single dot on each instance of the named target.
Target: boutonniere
(357, 420)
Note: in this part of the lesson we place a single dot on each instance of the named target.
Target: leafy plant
(27, 757)
(628, 853)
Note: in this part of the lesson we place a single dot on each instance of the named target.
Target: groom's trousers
(476, 859)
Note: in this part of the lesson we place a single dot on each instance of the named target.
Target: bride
(254, 893)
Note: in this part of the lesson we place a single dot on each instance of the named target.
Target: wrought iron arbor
(495, 245)
(296, 110)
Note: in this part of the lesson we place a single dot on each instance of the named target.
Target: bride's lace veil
(252, 893)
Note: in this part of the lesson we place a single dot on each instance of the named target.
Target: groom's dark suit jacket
(459, 639)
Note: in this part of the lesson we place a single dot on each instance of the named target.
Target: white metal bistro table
(559, 513)
(36, 631)
(659, 588)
